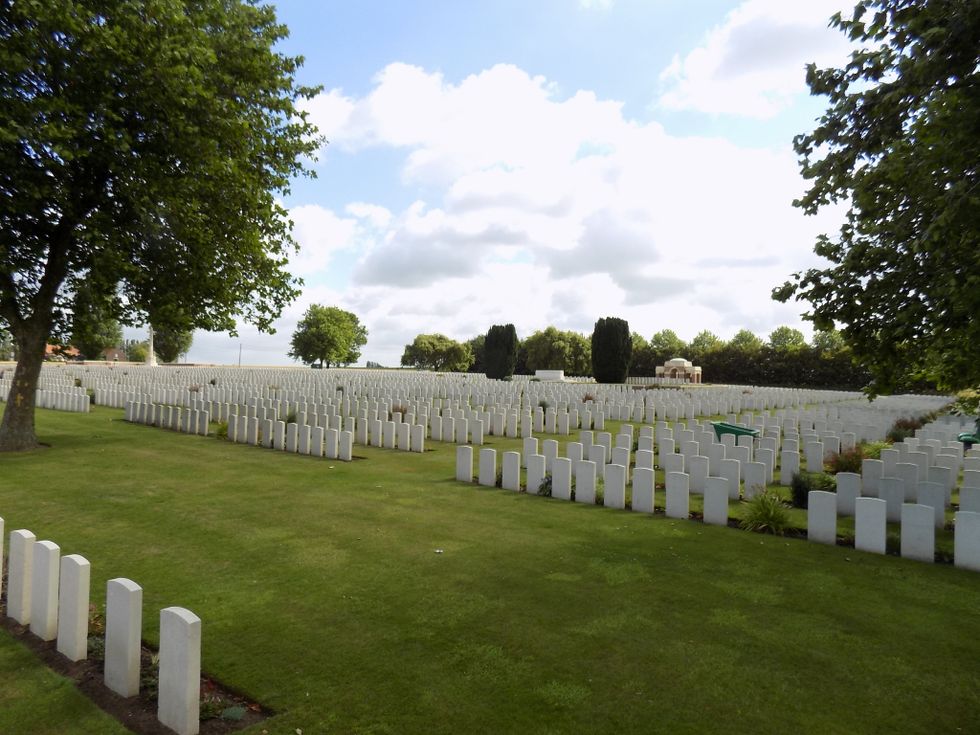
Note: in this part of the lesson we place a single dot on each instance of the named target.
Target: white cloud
(753, 64)
(546, 210)
(320, 234)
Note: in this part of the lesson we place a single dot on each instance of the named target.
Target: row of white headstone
(49, 593)
(70, 399)
(917, 521)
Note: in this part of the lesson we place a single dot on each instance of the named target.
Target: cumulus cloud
(320, 234)
(753, 63)
(543, 209)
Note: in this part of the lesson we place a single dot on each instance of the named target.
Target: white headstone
(644, 479)
(678, 498)
(123, 628)
(966, 540)
(561, 478)
(614, 494)
(464, 463)
(918, 532)
(716, 493)
(870, 516)
(821, 517)
(44, 590)
(585, 474)
(511, 477)
(73, 601)
(535, 473)
(179, 694)
(19, 563)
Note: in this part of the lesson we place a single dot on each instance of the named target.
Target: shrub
(766, 513)
(600, 490)
(291, 417)
(543, 405)
(398, 408)
(903, 428)
(847, 461)
(588, 397)
(221, 430)
(804, 482)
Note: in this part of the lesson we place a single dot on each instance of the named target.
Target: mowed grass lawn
(322, 596)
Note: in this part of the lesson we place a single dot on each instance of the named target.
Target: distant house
(114, 354)
(60, 352)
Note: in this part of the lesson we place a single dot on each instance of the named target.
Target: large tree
(169, 343)
(702, 345)
(500, 351)
(612, 350)
(144, 147)
(786, 339)
(900, 142)
(437, 352)
(666, 345)
(554, 349)
(328, 335)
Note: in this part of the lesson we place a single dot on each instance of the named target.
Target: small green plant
(398, 408)
(766, 513)
(90, 392)
(291, 417)
(221, 430)
(543, 404)
(96, 632)
(588, 397)
(213, 381)
(545, 487)
(873, 450)
(499, 482)
(600, 490)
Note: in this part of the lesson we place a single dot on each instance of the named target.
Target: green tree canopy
(144, 148)
(666, 345)
(553, 349)
(786, 338)
(900, 142)
(328, 335)
(612, 350)
(477, 346)
(501, 351)
(93, 327)
(437, 352)
(746, 342)
(829, 341)
(704, 342)
(136, 350)
(169, 343)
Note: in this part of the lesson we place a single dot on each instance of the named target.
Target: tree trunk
(17, 428)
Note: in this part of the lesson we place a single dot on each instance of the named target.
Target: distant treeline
(784, 358)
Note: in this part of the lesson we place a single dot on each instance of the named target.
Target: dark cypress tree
(500, 351)
(612, 350)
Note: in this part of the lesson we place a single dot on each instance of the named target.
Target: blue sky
(550, 162)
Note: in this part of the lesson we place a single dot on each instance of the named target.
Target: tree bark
(17, 428)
